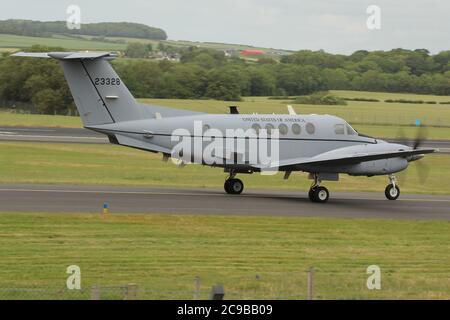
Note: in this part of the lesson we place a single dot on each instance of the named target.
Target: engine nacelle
(378, 167)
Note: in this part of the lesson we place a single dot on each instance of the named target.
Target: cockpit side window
(351, 131)
(339, 129)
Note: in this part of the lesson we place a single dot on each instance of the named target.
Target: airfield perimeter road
(89, 199)
(80, 135)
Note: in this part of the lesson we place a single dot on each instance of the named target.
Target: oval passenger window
(310, 128)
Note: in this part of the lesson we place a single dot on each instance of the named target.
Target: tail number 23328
(107, 81)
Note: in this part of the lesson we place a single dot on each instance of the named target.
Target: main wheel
(311, 194)
(234, 186)
(319, 194)
(391, 192)
(226, 186)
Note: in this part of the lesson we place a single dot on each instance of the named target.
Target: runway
(89, 199)
(81, 135)
(47, 134)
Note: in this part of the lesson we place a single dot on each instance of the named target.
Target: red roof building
(250, 51)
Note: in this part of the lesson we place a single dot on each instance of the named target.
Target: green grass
(377, 119)
(54, 163)
(85, 42)
(164, 253)
(357, 113)
(13, 41)
(38, 120)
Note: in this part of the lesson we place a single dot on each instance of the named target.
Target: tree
(49, 101)
(143, 78)
(222, 85)
(137, 50)
(262, 82)
(185, 82)
(206, 58)
(299, 80)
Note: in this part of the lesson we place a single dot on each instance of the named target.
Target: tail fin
(100, 95)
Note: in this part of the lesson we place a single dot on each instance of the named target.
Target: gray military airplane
(322, 145)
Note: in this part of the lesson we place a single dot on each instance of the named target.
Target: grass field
(84, 42)
(377, 119)
(114, 165)
(357, 113)
(38, 120)
(164, 253)
(13, 41)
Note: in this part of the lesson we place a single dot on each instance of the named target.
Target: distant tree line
(206, 73)
(103, 29)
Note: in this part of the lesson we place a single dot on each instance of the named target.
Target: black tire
(234, 186)
(321, 195)
(311, 194)
(392, 193)
(227, 187)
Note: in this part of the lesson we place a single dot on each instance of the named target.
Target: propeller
(423, 169)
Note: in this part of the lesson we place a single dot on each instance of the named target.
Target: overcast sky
(337, 26)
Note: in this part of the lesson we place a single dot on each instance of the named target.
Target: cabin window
(310, 128)
(256, 127)
(296, 129)
(206, 127)
(339, 129)
(269, 128)
(351, 131)
(283, 129)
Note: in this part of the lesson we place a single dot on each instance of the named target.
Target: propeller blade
(401, 137)
(422, 134)
(423, 171)
(422, 168)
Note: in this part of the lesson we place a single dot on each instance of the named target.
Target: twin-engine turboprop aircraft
(322, 145)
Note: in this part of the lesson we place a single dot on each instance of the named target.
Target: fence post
(131, 293)
(217, 292)
(311, 283)
(95, 293)
(197, 288)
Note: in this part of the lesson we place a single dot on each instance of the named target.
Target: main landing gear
(233, 185)
(317, 193)
(392, 191)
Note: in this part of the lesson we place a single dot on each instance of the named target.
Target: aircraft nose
(401, 147)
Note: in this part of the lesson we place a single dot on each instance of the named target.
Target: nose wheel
(233, 186)
(392, 191)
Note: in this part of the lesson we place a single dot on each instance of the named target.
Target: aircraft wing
(336, 158)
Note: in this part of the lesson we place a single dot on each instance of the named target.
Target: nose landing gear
(392, 191)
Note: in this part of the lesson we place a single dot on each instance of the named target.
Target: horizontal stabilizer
(43, 55)
(67, 55)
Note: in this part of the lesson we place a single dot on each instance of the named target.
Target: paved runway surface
(42, 134)
(80, 135)
(89, 199)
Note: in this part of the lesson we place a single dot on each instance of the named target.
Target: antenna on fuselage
(291, 110)
(234, 110)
